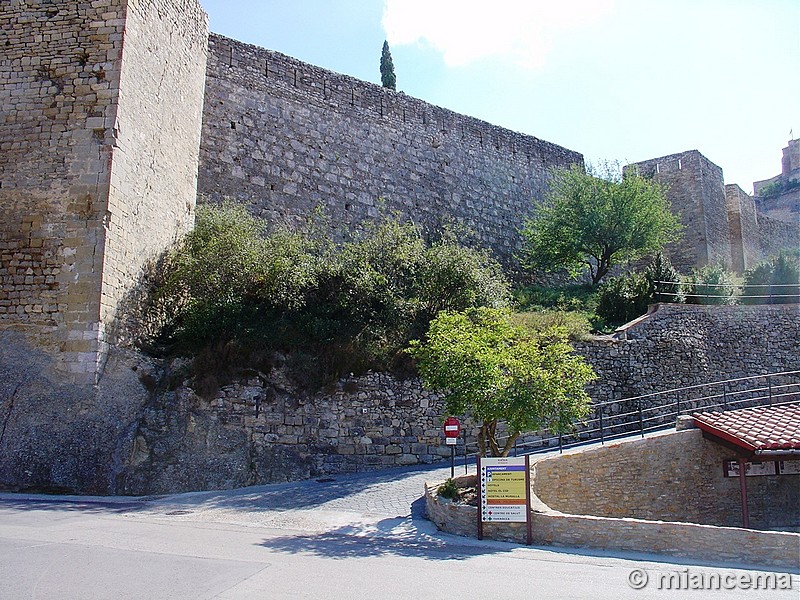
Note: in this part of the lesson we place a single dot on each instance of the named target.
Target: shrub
(453, 277)
(776, 188)
(774, 281)
(578, 325)
(712, 284)
(663, 280)
(449, 489)
(622, 299)
(337, 308)
(566, 298)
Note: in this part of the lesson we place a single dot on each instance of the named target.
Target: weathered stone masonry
(104, 107)
(101, 108)
(283, 137)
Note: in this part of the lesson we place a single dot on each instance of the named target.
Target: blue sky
(620, 80)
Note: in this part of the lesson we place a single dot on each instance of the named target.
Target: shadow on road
(349, 542)
(70, 504)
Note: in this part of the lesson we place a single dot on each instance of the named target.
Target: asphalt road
(358, 536)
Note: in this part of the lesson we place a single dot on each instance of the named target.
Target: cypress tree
(388, 78)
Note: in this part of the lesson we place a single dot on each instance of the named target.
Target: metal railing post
(641, 420)
(769, 386)
(600, 413)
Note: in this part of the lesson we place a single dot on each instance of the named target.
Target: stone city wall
(155, 139)
(746, 251)
(59, 88)
(284, 137)
(98, 159)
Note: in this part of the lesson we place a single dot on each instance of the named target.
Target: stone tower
(99, 137)
(696, 191)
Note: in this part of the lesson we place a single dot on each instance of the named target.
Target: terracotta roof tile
(758, 428)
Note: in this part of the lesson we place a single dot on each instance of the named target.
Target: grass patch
(573, 307)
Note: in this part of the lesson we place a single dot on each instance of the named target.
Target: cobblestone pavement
(322, 504)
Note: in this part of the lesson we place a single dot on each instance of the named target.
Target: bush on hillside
(774, 281)
(624, 298)
(333, 307)
(663, 280)
(713, 284)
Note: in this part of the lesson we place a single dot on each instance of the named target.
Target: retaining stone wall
(672, 477)
(583, 493)
(683, 345)
(284, 137)
(265, 430)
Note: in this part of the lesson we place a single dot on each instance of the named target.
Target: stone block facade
(101, 105)
(284, 137)
(695, 189)
(673, 477)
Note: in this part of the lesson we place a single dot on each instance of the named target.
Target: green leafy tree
(495, 371)
(597, 221)
(388, 78)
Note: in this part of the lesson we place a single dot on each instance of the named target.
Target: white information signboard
(504, 490)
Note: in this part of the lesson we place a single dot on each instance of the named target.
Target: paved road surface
(355, 536)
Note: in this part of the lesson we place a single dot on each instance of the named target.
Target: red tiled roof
(755, 429)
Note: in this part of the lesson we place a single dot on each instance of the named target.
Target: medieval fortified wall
(118, 114)
(101, 110)
(99, 138)
(722, 223)
(284, 137)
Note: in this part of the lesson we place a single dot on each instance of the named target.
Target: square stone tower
(696, 191)
(100, 118)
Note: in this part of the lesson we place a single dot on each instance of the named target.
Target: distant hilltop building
(119, 115)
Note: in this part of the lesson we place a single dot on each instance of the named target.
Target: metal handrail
(636, 418)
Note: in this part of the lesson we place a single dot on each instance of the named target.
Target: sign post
(503, 494)
(452, 429)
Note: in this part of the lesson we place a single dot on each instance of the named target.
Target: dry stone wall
(268, 430)
(685, 345)
(284, 137)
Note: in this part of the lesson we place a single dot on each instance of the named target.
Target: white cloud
(522, 31)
